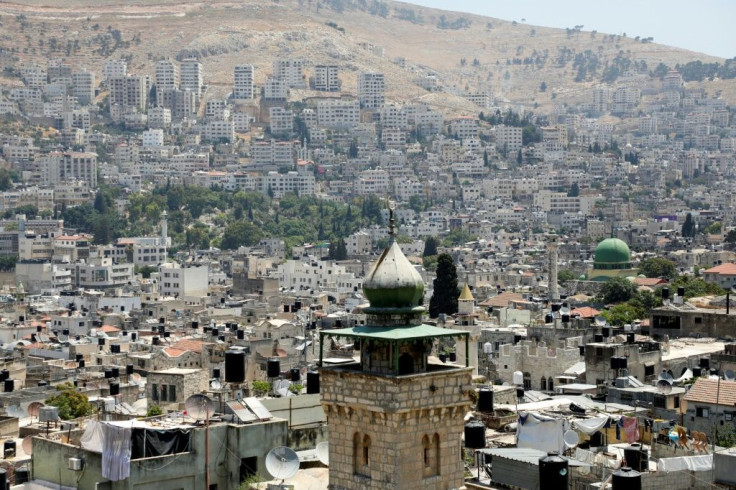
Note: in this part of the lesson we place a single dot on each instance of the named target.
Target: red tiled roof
(585, 312)
(705, 390)
(109, 328)
(173, 351)
(649, 281)
(502, 300)
(723, 269)
(189, 345)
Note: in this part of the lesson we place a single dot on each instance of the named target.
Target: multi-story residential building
(280, 154)
(159, 117)
(371, 90)
(101, 273)
(337, 114)
(326, 79)
(282, 120)
(115, 69)
(191, 76)
(243, 82)
(56, 168)
(188, 163)
(182, 282)
(38, 276)
(129, 91)
(33, 75)
(219, 131)
(77, 119)
(359, 243)
(464, 127)
(84, 87)
(290, 71)
(71, 248)
(152, 138)
(279, 184)
(393, 117)
(217, 109)
(167, 75)
(275, 88)
(373, 182)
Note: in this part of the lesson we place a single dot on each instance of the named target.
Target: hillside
(465, 52)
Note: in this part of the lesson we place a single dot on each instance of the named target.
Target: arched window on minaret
(361, 454)
(543, 384)
(366, 454)
(431, 454)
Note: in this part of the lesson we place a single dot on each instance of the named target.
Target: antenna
(199, 407)
(323, 453)
(282, 463)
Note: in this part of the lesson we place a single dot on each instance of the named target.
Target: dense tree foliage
(444, 297)
(72, 404)
(430, 247)
(658, 267)
(617, 290)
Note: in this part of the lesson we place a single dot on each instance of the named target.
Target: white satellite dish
(281, 387)
(135, 379)
(571, 438)
(664, 375)
(27, 445)
(215, 384)
(664, 386)
(33, 408)
(199, 407)
(323, 453)
(599, 320)
(282, 463)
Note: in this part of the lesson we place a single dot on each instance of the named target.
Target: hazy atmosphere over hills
(466, 52)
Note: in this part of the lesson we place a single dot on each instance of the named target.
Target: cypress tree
(444, 297)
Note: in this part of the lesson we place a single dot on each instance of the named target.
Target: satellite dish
(33, 408)
(281, 387)
(135, 379)
(199, 407)
(27, 445)
(571, 438)
(282, 463)
(215, 384)
(729, 375)
(664, 386)
(664, 375)
(323, 453)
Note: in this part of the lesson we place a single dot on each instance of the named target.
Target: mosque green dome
(612, 253)
(393, 282)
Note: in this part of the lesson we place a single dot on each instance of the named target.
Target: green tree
(240, 233)
(154, 411)
(694, 287)
(6, 179)
(714, 228)
(444, 297)
(622, 314)
(565, 275)
(617, 290)
(72, 404)
(574, 190)
(688, 227)
(658, 267)
(430, 247)
(730, 236)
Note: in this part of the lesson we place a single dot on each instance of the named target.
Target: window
(431, 455)
(361, 454)
(701, 412)
(698, 319)
(648, 370)
(172, 393)
(164, 393)
(154, 392)
(728, 416)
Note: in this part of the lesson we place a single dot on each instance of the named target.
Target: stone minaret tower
(553, 247)
(164, 228)
(395, 420)
(465, 320)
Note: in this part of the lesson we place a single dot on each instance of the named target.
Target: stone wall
(396, 415)
(537, 360)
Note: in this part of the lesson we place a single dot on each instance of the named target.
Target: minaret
(164, 228)
(395, 420)
(465, 320)
(553, 247)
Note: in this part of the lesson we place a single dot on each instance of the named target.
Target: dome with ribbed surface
(393, 282)
(612, 253)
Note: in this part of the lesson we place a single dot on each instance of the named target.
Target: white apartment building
(282, 120)
(115, 69)
(77, 119)
(393, 116)
(371, 90)
(242, 121)
(243, 82)
(292, 181)
(508, 138)
(275, 88)
(338, 114)
(464, 127)
(191, 76)
(406, 189)
(129, 91)
(58, 167)
(33, 75)
(159, 117)
(373, 182)
(274, 152)
(217, 109)
(359, 243)
(212, 178)
(38, 276)
(84, 87)
(317, 276)
(290, 71)
(152, 138)
(167, 75)
(183, 282)
(188, 163)
(326, 78)
(559, 202)
(219, 131)
(101, 273)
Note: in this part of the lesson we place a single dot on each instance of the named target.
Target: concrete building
(338, 114)
(84, 87)
(191, 76)
(243, 82)
(290, 72)
(326, 79)
(282, 120)
(182, 282)
(371, 90)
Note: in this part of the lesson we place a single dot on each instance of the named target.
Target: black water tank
(115, 348)
(615, 363)
(623, 362)
(665, 293)
(273, 368)
(565, 318)
(697, 372)
(485, 400)
(100, 341)
(155, 341)
(8, 386)
(114, 389)
(80, 363)
(115, 372)
(606, 332)
(4, 374)
(216, 373)
(705, 363)
(133, 336)
(234, 366)
(221, 338)
(636, 458)
(129, 369)
(38, 329)
(681, 291)
(520, 393)
(295, 374)
(298, 305)
(9, 448)
(626, 479)
(161, 329)
(549, 318)
(475, 434)
(65, 331)
(43, 383)
(22, 475)
(287, 308)
(195, 324)
(630, 338)
(215, 332)
(79, 357)
(3, 479)
(312, 382)
(240, 334)
(108, 373)
(581, 348)
(553, 472)
(598, 338)
(556, 306)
